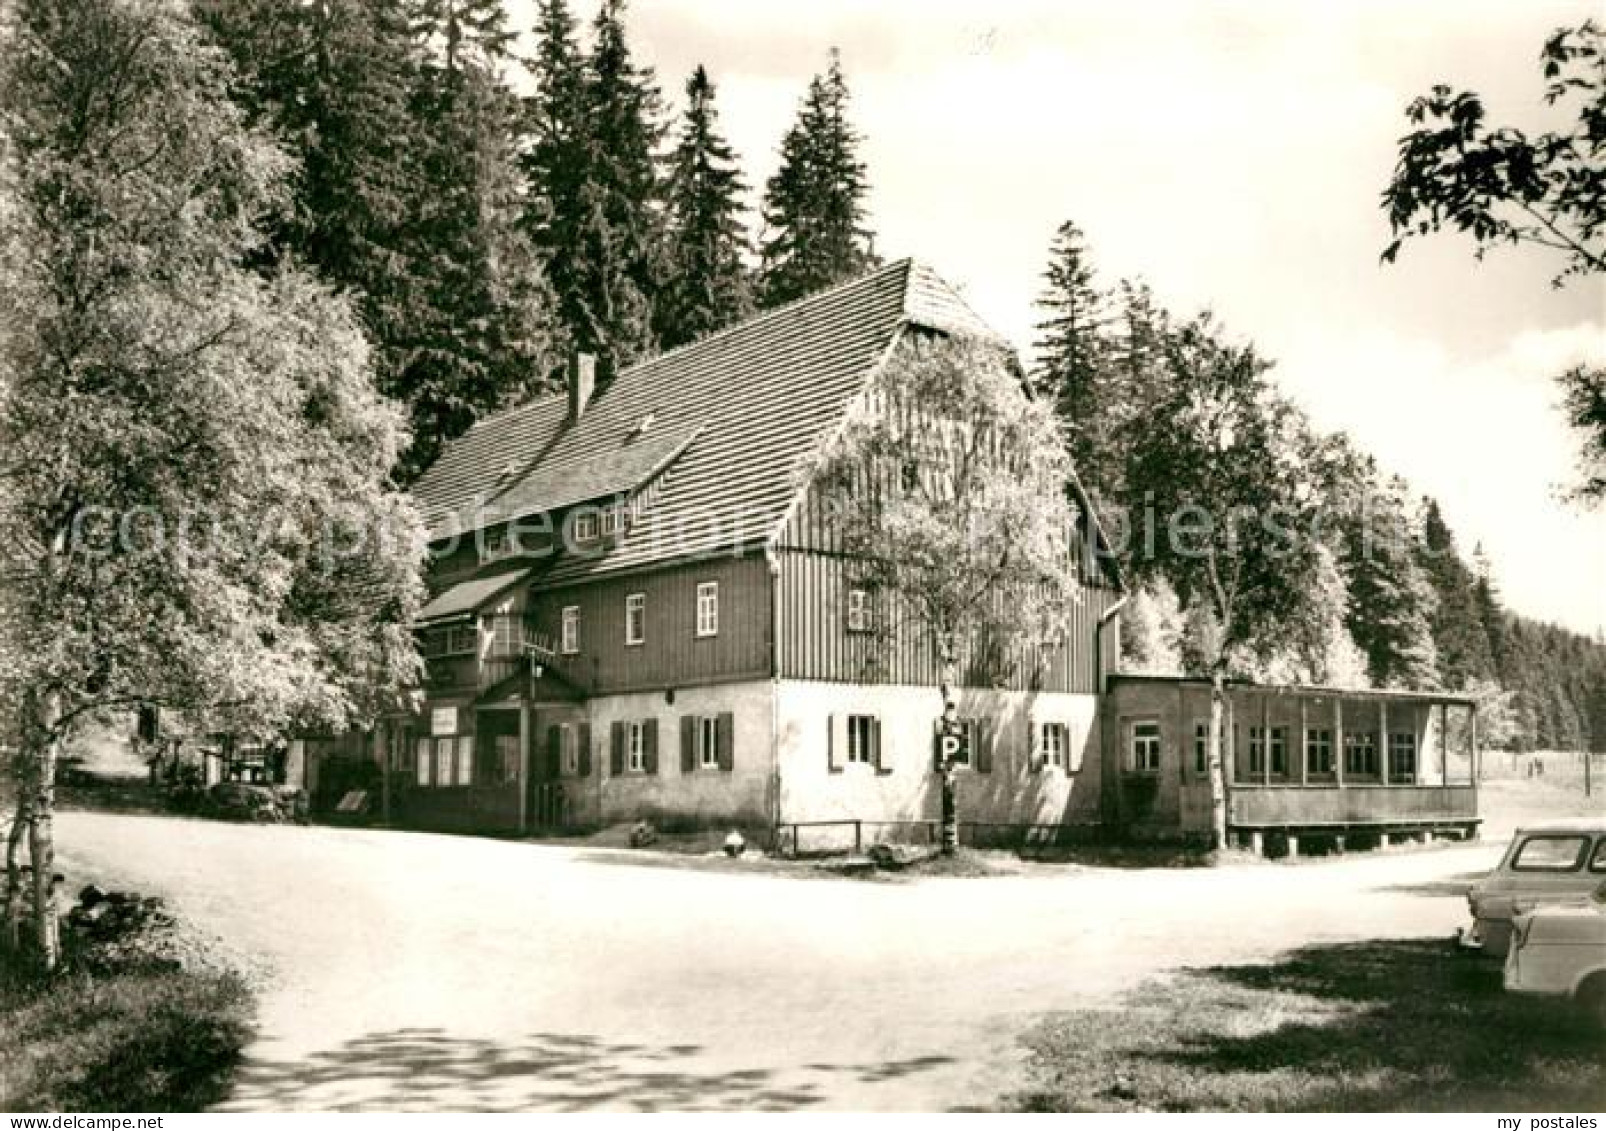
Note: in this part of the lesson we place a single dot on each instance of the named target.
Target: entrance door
(554, 761)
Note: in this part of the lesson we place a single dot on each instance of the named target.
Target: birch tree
(1232, 497)
(947, 485)
(195, 510)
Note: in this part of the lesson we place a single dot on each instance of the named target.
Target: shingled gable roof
(731, 416)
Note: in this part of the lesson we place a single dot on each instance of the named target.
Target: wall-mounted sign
(443, 720)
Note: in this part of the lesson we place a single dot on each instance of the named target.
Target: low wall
(1351, 806)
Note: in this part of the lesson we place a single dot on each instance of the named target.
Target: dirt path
(426, 972)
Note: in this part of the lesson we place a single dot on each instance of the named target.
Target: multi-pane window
(465, 759)
(585, 526)
(421, 760)
(1146, 747)
(612, 519)
(1402, 756)
(708, 742)
(636, 618)
(708, 608)
(1319, 751)
(1257, 750)
(636, 747)
(571, 630)
(1055, 743)
(506, 635)
(858, 610)
(1201, 747)
(451, 640)
(1279, 750)
(862, 739)
(1360, 753)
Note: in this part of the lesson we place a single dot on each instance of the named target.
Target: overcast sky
(1231, 154)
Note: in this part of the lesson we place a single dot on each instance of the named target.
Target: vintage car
(1560, 951)
(1556, 862)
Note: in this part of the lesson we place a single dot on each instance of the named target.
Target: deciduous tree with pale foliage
(947, 484)
(195, 509)
(1232, 496)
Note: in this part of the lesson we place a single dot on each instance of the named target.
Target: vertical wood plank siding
(673, 653)
(816, 644)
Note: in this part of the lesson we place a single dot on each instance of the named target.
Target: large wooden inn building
(636, 614)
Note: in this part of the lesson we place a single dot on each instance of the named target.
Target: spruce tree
(594, 176)
(463, 33)
(1458, 628)
(622, 221)
(336, 80)
(554, 163)
(705, 277)
(814, 204)
(406, 195)
(490, 337)
(1074, 360)
(1490, 612)
(1374, 539)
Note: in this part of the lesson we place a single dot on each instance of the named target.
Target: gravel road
(411, 971)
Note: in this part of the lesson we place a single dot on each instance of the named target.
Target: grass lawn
(120, 1041)
(1374, 1026)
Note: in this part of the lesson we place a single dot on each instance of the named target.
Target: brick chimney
(582, 383)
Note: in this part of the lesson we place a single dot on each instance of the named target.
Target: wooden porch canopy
(466, 598)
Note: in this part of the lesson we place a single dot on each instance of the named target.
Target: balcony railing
(512, 638)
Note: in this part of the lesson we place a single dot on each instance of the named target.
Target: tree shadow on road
(1395, 1025)
(427, 1069)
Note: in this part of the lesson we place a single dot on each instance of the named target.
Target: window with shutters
(858, 610)
(636, 747)
(571, 629)
(862, 739)
(570, 749)
(1054, 742)
(708, 608)
(1402, 757)
(708, 742)
(1319, 751)
(636, 618)
(1145, 750)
